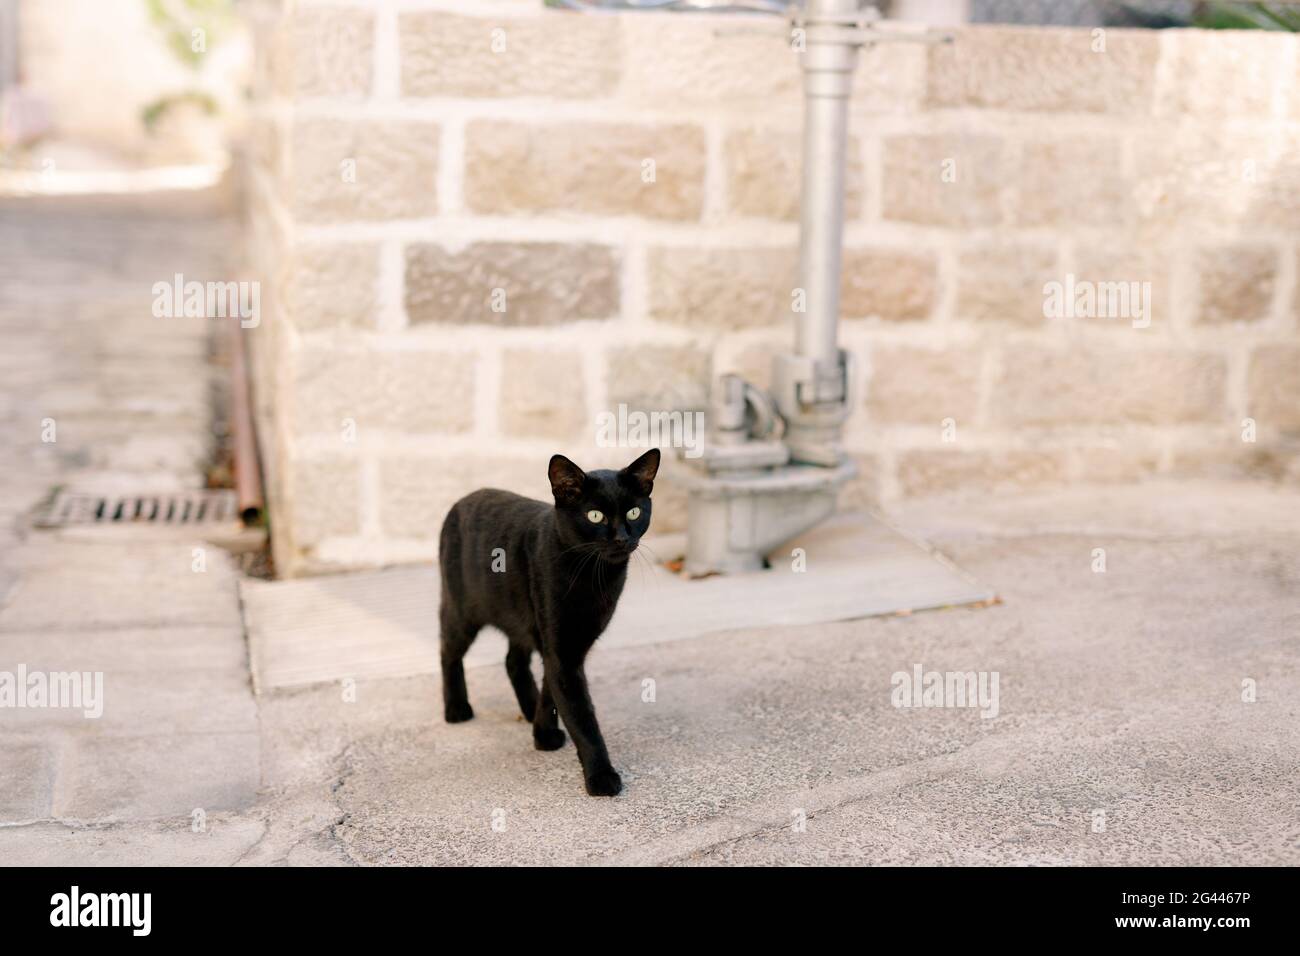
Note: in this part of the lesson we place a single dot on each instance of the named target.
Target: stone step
(385, 624)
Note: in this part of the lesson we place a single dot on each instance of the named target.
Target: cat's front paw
(458, 711)
(604, 783)
(548, 738)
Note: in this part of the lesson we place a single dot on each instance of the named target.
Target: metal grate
(180, 508)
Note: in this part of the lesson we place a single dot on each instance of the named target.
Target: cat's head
(608, 509)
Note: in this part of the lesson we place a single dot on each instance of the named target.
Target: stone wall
(408, 160)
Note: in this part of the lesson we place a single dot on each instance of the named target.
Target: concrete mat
(385, 623)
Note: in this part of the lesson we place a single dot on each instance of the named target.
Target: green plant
(178, 21)
(1247, 16)
(156, 110)
(189, 29)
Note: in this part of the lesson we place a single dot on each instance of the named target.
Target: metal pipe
(828, 64)
(248, 471)
(811, 384)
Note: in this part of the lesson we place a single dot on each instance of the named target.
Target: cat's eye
(595, 517)
(634, 514)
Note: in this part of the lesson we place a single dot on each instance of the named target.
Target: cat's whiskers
(600, 578)
(582, 563)
(653, 554)
(581, 544)
(591, 550)
(646, 563)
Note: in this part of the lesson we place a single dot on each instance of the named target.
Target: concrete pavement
(1122, 735)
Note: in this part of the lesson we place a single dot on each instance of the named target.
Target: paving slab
(106, 778)
(218, 650)
(223, 841)
(133, 585)
(28, 779)
(156, 701)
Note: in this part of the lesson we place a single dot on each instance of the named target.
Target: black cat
(550, 578)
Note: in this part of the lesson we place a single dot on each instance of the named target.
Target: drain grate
(187, 508)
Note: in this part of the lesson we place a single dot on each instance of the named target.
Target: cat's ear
(566, 480)
(643, 471)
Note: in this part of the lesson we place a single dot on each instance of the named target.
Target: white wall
(99, 63)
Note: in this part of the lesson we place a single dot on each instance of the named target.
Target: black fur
(550, 578)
